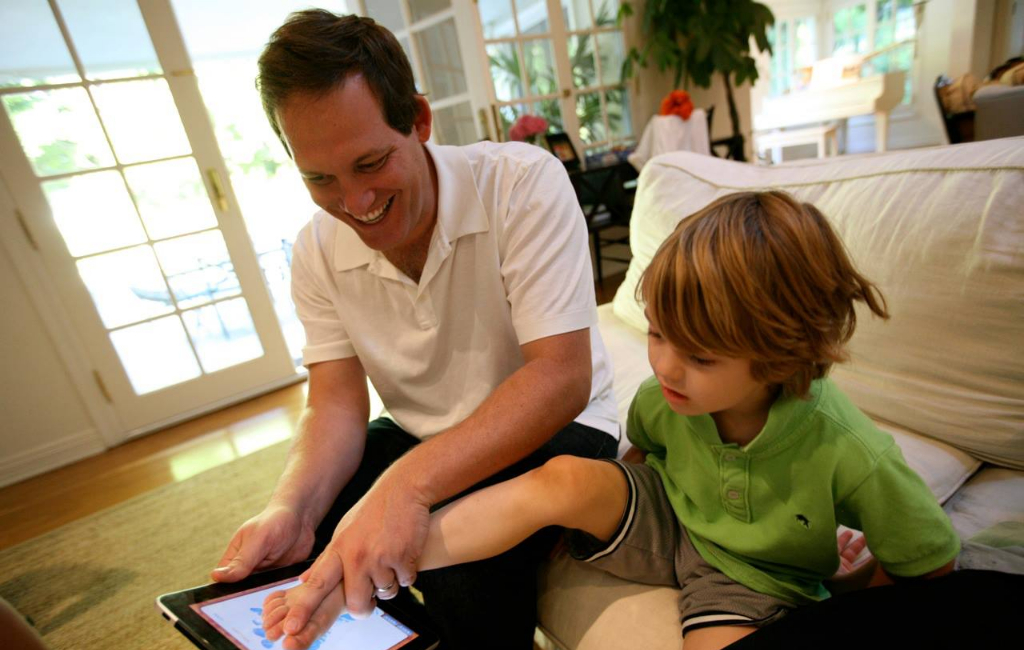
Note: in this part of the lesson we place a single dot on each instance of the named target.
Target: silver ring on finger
(386, 588)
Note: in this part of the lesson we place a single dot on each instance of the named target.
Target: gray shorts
(652, 547)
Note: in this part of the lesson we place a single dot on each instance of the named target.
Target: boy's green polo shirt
(766, 514)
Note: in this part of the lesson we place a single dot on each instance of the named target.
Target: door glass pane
(455, 124)
(533, 16)
(126, 286)
(550, 110)
(198, 268)
(171, 197)
(110, 38)
(387, 13)
(32, 50)
(577, 14)
(605, 12)
(588, 110)
(540, 67)
(223, 334)
(581, 57)
(94, 213)
(59, 131)
(277, 270)
(612, 51)
(421, 9)
(496, 18)
(504, 60)
(439, 55)
(620, 121)
(155, 354)
(130, 110)
(404, 42)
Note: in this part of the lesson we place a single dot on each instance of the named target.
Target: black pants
(491, 603)
(965, 609)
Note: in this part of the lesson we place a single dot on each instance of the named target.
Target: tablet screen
(239, 618)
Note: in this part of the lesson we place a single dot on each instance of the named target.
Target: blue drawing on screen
(258, 630)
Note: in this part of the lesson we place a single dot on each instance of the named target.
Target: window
(795, 49)
(895, 32)
(883, 31)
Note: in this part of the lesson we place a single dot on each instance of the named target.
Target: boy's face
(698, 383)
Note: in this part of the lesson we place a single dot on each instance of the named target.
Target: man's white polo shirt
(508, 263)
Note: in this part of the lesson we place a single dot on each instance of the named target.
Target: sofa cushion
(993, 495)
(584, 608)
(940, 231)
(627, 349)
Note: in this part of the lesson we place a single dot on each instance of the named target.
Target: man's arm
(521, 414)
(327, 450)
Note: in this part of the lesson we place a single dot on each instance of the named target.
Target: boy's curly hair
(759, 276)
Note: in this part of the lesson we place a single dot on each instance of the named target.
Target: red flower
(527, 126)
(677, 102)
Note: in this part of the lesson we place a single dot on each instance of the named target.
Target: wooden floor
(43, 503)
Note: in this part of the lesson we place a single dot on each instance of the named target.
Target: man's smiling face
(358, 169)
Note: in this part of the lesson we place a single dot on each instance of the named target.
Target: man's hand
(275, 537)
(374, 551)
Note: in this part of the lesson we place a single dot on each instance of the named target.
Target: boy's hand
(320, 609)
(850, 547)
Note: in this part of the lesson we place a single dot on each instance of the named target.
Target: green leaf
(625, 11)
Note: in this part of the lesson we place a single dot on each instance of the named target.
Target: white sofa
(941, 231)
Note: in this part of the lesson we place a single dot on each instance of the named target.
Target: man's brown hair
(314, 51)
(759, 276)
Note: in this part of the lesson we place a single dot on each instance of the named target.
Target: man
(456, 279)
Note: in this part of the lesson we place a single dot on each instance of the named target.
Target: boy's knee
(571, 485)
(564, 475)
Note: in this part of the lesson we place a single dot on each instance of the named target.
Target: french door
(561, 60)
(438, 38)
(119, 186)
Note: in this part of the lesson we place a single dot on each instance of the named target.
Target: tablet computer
(228, 616)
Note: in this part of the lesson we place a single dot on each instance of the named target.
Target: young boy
(753, 457)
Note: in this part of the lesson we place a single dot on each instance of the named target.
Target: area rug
(92, 583)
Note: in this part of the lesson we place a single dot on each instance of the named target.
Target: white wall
(44, 422)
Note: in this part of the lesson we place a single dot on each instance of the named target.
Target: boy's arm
(881, 577)
(567, 491)
(904, 525)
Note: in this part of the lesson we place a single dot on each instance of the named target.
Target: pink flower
(526, 127)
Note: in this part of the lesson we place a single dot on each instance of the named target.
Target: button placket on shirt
(733, 466)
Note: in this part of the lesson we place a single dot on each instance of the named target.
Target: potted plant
(697, 38)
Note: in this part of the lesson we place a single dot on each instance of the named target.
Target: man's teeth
(376, 215)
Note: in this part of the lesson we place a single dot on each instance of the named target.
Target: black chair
(959, 126)
(606, 196)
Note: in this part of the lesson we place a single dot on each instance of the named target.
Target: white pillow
(941, 232)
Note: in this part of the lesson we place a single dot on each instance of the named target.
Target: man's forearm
(522, 413)
(327, 450)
